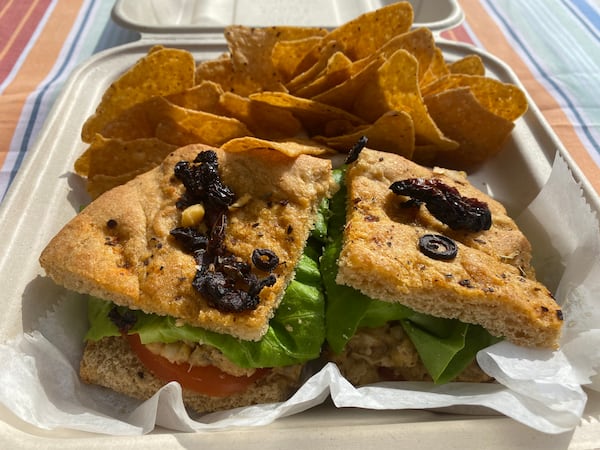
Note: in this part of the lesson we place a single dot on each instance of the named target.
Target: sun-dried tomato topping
(226, 281)
(203, 183)
(445, 203)
(190, 239)
(229, 284)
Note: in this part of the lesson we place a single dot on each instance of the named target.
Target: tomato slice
(207, 380)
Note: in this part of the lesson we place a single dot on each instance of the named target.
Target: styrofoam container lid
(205, 16)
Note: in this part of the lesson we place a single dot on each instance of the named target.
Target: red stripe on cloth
(459, 34)
(18, 22)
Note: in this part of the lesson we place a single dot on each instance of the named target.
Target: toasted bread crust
(111, 363)
(133, 261)
(490, 282)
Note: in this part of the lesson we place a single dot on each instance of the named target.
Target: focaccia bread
(490, 282)
(119, 247)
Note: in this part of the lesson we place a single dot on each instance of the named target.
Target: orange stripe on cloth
(491, 37)
(36, 67)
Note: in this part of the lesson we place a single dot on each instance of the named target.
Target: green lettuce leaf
(296, 333)
(448, 355)
(445, 346)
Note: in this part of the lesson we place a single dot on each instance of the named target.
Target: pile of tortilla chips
(303, 90)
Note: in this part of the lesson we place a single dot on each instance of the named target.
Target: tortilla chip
(309, 75)
(202, 97)
(221, 71)
(82, 164)
(313, 115)
(104, 155)
(292, 147)
(180, 126)
(343, 95)
(436, 70)
(393, 132)
(369, 76)
(338, 69)
(162, 71)
(396, 88)
(468, 65)
(113, 161)
(174, 124)
(287, 55)
(136, 122)
(338, 127)
(100, 184)
(420, 43)
(461, 117)
(251, 49)
(364, 35)
(114, 156)
(263, 120)
(425, 154)
(503, 99)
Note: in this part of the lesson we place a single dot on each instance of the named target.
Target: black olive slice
(124, 322)
(356, 149)
(437, 246)
(264, 259)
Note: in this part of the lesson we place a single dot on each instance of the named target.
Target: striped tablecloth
(552, 45)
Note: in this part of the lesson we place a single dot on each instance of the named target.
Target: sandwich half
(201, 271)
(422, 271)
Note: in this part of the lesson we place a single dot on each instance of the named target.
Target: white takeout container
(46, 194)
(209, 17)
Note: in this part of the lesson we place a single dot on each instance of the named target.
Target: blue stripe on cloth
(536, 59)
(587, 14)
